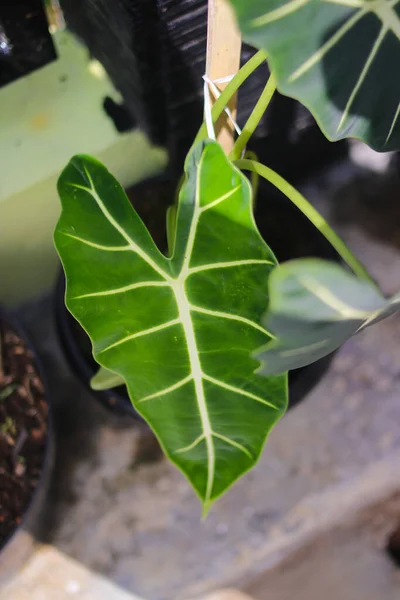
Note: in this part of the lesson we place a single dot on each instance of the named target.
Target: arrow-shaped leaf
(340, 58)
(180, 331)
(315, 306)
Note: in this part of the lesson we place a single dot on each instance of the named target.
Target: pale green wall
(45, 118)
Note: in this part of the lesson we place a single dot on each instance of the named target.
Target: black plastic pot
(15, 550)
(26, 43)
(77, 350)
(154, 52)
(287, 231)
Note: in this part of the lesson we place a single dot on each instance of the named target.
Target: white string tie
(211, 85)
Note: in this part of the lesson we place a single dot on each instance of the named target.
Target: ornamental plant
(203, 336)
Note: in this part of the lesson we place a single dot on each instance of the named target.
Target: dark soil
(23, 429)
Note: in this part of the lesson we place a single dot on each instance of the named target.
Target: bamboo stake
(223, 59)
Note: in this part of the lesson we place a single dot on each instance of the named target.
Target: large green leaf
(315, 306)
(180, 331)
(340, 58)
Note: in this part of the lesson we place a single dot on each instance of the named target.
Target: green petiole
(309, 211)
(254, 119)
(231, 90)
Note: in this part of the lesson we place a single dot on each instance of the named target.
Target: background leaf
(105, 380)
(340, 58)
(315, 306)
(181, 331)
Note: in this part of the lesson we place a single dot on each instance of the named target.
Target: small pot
(18, 544)
(288, 233)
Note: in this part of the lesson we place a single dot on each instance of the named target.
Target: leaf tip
(206, 505)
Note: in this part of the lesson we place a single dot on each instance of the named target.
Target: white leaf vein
(96, 245)
(396, 116)
(328, 45)
(239, 391)
(139, 334)
(326, 296)
(223, 438)
(133, 246)
(168, 390)
(232, 317)
(363, 75)
(191, 446)
(234, 443)
(228, 264)
(215, 203)
(279, 13)
(122, 290)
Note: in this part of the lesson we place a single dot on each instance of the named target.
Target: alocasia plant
(204, 337)
(180, 330)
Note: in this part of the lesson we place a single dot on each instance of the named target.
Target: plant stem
(231, 90)
(254, 177)
(254, 118)
(310, 212)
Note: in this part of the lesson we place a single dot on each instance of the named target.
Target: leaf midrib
(195, 366)
(191, 343)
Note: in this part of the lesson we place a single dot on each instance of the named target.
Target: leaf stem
(310, 212)
(231, 89)
(254, 119)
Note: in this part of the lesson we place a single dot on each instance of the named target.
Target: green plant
(204, 337)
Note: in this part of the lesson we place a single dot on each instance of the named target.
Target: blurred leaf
(315, 306)
(340, 58)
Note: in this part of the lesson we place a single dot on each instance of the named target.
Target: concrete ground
(311, 520)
